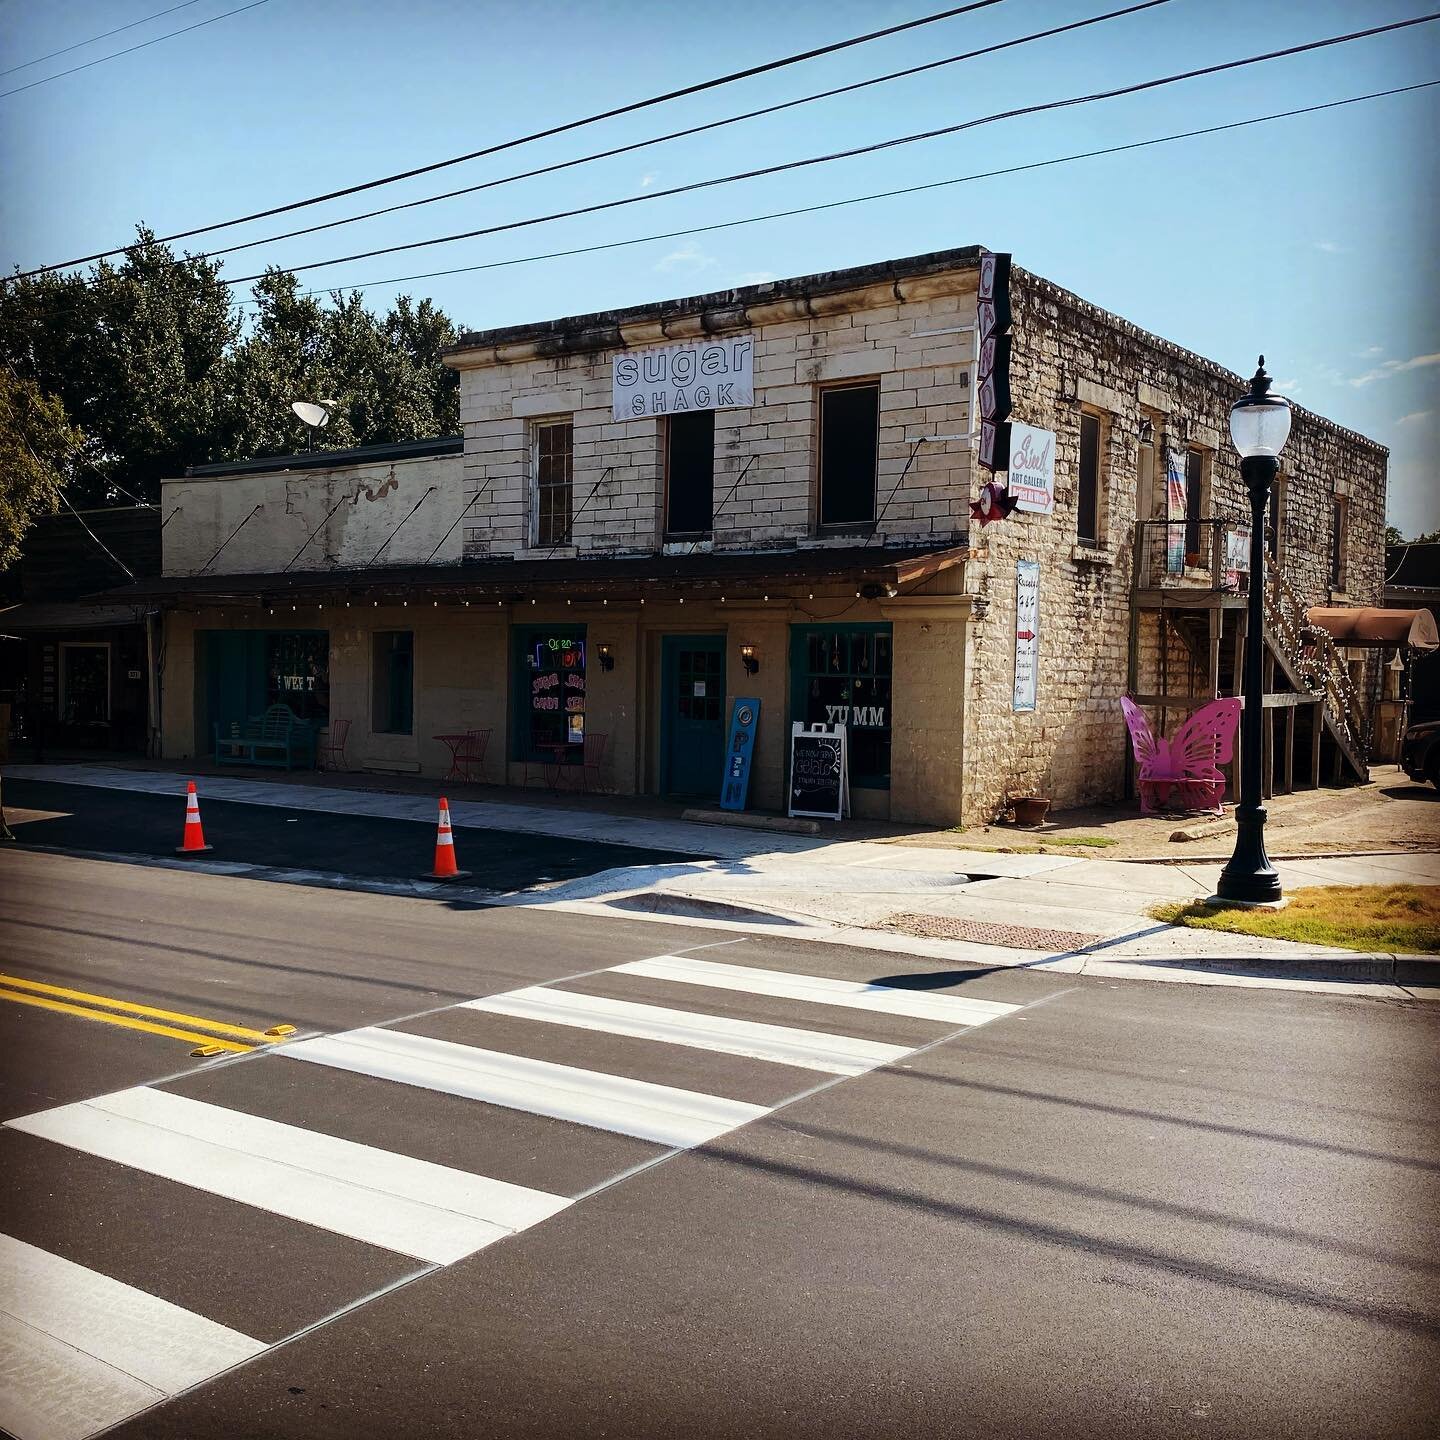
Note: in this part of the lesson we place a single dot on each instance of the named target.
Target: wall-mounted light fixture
(1146, 433)
(607, 658)
(748, 660)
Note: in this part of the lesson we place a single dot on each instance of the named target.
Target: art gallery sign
(1032, 468)
(695, 375)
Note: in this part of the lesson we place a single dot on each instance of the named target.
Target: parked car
(1420, 752)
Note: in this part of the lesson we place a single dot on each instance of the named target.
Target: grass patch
(1094, 842)
(1403, 918)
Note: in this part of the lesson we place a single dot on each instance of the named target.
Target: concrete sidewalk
(979, 906)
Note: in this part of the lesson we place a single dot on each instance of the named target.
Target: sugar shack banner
(671, 379)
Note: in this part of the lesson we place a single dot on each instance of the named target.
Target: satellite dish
(315, 413)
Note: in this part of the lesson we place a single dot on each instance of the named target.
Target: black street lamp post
(1259, 426)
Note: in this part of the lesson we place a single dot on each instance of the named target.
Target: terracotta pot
(1029, 810)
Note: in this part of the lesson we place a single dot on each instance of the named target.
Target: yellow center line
(131, 1008)
(126, 1021)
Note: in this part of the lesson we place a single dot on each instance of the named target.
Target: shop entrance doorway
(692, 715)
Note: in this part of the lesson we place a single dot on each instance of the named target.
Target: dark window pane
(1087, 519)
(848, 451)
(882, 654)
(394, 681)
(297, 673)
(690, 473)
(1194, 482)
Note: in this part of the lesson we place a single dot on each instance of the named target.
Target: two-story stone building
(767, 493)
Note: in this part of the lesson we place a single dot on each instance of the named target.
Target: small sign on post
(744, 721)
(819, 771)
(1027, 633)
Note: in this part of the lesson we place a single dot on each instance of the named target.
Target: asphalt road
(79, 817)
(1117, 1208)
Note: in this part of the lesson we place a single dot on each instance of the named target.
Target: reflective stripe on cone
(193, 840)
(445, 867)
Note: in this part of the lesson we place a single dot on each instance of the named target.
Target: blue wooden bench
(278, 738)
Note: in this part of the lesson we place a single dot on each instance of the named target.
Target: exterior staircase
(1310, 660)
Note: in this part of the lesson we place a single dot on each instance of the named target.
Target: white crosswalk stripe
(409, 1206)
(81, 1351)
(819, 990)
(806, 1049)
(659, 1113)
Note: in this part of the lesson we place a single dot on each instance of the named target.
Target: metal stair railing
(1316, 658)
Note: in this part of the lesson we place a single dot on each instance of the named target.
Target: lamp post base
(1249, 878)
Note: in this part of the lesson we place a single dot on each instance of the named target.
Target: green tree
(137, 352)
(158, 368)
(37, 447)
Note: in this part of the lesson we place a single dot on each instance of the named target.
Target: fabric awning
(1364, 626)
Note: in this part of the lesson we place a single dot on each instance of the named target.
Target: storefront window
(550, 694)
(84, 683)
(840, 674)
(297, 672)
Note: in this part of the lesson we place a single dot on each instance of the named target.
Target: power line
(129, 50)
(569, 125)
(691, 130)
(104, 35)
(876, 195)
(825, 159)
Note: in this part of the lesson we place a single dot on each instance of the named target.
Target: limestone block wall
(349, 511)
(915, 337)
(1070, 357)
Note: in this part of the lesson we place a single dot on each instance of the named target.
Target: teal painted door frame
(692, 715)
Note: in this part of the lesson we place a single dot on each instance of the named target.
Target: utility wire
(682, 134)
(866, 199)
(825, 159)
(569, 125)
(104, 35)
(129, 50)
(129, 574)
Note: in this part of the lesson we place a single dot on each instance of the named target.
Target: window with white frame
(553, 462)
(84, 682)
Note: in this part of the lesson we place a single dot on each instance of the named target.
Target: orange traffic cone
(445, 867)
(194, 840)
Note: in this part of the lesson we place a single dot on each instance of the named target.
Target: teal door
(692, 721)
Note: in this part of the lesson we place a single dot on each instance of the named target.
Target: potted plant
(1029, 810)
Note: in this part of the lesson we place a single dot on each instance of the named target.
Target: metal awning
(655, 576)
(1366, 627)
(31, 617)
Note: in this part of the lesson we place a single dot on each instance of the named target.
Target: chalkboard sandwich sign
(819, 771)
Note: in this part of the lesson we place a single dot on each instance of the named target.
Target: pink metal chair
(467, 753)
(1188, 764)
(330, 751)
(593, 760)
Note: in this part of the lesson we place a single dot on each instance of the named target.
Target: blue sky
(1312, 238)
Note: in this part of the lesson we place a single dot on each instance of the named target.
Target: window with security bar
(554, 481)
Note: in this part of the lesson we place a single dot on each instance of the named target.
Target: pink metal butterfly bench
(1188, 764)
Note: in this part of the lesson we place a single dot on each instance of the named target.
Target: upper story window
(554, 465)
(1338, 526)
(690, 473)
(1195, 507)
(1087, 487)
(849, 449)
(1273, 543)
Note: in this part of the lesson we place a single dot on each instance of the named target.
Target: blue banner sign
(744, 721)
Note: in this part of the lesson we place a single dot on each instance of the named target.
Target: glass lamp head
(1260, 421)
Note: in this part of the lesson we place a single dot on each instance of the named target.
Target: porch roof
(1363, 626)
(607, 576)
